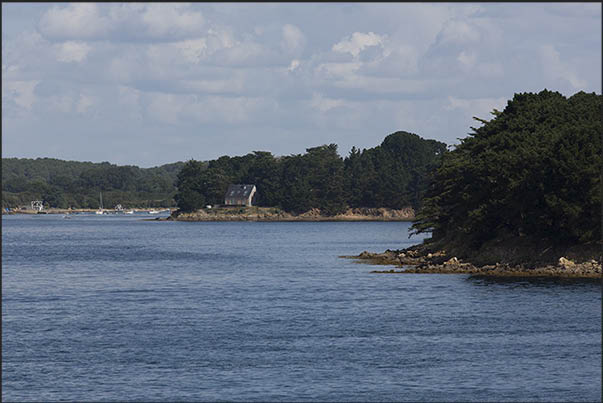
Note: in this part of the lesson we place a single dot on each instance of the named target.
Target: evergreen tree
(533, 171)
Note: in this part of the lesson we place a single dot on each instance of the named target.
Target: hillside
(64, 184)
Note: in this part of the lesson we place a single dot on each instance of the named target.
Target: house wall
(250, 198)
(241, 201)
(234, 201)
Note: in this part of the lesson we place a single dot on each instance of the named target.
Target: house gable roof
(239, 191)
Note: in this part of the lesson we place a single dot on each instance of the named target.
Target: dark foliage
(532, 172)
(390, 175)
(75, 184)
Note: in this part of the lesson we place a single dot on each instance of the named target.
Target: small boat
(153, 212)
(129, 212)
(100, 209)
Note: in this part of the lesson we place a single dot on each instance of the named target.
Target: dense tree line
(392, 174)
(75, 184)
(532, 172)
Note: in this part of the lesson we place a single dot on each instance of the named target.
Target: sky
(150, 84)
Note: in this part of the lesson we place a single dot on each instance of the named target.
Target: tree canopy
(392, 174)
(533, 171)
(78, 184)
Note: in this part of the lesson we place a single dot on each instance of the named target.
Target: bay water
(116, 308)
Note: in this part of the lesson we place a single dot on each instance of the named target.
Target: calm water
(116, 308)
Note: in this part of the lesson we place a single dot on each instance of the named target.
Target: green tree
(533, 172)
(190, 195)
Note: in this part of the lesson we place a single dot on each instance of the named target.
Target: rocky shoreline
(418, 260)
(276, 215)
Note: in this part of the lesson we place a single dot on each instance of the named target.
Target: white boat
(100, 209)
(129, 212)
(153, 212)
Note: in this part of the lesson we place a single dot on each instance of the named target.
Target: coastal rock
(566, 263)
(451, 261)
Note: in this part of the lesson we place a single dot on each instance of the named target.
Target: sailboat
(100, 209)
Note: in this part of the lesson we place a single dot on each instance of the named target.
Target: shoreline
(84, 210)
(268, 214)
(414, 261)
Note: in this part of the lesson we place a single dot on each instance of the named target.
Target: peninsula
(520, 196)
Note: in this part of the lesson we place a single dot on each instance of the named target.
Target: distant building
(239, 195)
(37, 205)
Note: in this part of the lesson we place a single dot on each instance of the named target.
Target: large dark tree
(392, 174)
(532, 172)
(190, 195)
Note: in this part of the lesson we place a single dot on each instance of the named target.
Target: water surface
(116, 308)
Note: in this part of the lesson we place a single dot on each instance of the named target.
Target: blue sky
(148, 84)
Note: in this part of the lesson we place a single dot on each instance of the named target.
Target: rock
(452, 260)
(566, 263)
(429, 256)
(402, 255)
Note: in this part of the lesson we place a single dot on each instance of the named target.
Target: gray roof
(242, 191)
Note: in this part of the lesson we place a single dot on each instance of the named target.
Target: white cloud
(490, 70)
(294, 64)
(60, 103)
(338, 69)
(324, 104)
(467, 59)
(329, 69)
(479, 107)
(556, 69)
(358, 42)
(129, 99)
(163, 19)
(384, 85)
(182, 109)
(72, 51)
(221, 38)
(232, 85)
(121, 21)
(84, 103)
(458, 32)
(193, 50)
(21, 92)
(122, 69)
(293, 39)
(76, 20)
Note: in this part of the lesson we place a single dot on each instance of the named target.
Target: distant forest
(392, 175)
(75, 184)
